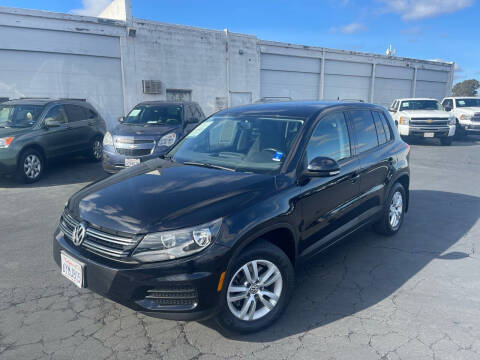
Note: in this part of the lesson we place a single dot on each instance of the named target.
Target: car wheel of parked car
(393, 211)
(459, 131)
(259, 287)
(446, 141)
(96, 150)
(30, 166)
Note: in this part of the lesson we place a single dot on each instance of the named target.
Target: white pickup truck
(423, 118)
(466, 111)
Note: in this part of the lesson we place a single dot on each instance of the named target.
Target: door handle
(354, 177)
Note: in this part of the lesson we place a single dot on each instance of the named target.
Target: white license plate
(72, 269)
(428, 135)
(131, 162)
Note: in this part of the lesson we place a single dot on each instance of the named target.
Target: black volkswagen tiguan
(217, 226)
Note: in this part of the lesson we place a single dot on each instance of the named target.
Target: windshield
(468, 102)
(420, 105)
(19, 116)
(244, 143)
(150, 115)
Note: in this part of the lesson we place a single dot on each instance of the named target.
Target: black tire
(261, 251)
(95, 154)
(460, 133)
(446, 141)
(30, 166)
(384, 225)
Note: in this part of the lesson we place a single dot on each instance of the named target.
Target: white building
(116, 61)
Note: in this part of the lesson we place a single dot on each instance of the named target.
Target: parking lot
(412, 296)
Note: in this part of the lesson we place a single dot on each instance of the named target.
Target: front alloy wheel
(254, 290)
(96, 151)
(259, 288)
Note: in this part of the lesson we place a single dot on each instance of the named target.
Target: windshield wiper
(210, 166)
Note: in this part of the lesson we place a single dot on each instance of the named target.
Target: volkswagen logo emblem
(78, 234)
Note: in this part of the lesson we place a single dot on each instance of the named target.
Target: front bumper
(438, 131)
(8, 160)
(114, 162)
(470, 126)
(130, 284)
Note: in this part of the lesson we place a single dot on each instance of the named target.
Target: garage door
(392, 82)
(78, 66)
(289, 76)
(347, 80)
(431, 84)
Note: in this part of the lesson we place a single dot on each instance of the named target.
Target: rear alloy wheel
(30, 166)
(96, 150)
(393, 211)
(446, 141)
(259, 289)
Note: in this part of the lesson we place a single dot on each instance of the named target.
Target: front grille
(99, 242)
(476, 117)
(173, 296)
(131, 146)
(134, 152)
(429, 122)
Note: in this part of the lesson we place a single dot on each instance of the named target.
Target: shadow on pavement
(62, 172)
(367, 268)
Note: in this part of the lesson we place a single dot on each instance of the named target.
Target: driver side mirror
(322, 167)
(51, 122)
(121, 119)
(391, 109)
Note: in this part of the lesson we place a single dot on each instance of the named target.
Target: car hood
(425, 113)
(144, 131)
(158, 195)
(469, 110)
(4, 132)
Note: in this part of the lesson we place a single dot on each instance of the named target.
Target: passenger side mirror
(51, 122)
(121, 119)
(322, 167)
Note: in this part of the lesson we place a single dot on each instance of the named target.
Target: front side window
(467, 102)
(364, 129)
(151, 115)
(247, 143)
(330, 139)
(420, 105)
(19, 116)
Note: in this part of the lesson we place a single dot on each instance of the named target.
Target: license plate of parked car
(131, 162)
(72, 269)
(428, 135)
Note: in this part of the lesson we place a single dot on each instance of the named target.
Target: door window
(448, 103)
(365, 131)
(57, 113)
(330, 139)
(382, 137)
(386, 126)
(76, 113)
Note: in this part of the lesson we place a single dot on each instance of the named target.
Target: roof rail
(76, 99)
(34, 98)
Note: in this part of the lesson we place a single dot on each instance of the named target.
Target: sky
(426, 29)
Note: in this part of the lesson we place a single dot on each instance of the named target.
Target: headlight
(167, 140)
(403, 120)
(5, 142)
(175, 244)
(108, 139)
(465, 117)
(451, 120)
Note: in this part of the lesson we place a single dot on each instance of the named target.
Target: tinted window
(468, 102)
(57, 113)
(386, 126)
(420, 105)
(382, 137)
(330, 139)
(76, 113)
(91, 114)
(364, 129)
(151, 115)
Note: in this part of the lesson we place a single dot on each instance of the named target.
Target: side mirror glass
(121, 119)
(322, 167)
(51, 122)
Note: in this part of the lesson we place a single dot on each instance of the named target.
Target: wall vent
(152, 86)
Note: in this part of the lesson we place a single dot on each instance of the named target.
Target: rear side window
(330, 139)
(386, 126)
(76, 113)
(382, 137)
(365, 131)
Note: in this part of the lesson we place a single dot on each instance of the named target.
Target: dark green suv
(33, 131)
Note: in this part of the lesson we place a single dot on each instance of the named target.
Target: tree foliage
(466, 88)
